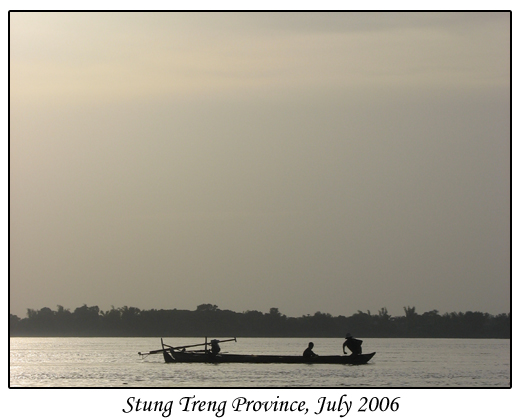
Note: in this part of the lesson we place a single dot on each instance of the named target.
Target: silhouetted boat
(171, 356)
(180, 355)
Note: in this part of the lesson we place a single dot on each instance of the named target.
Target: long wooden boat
(172, 356)
(180, 355)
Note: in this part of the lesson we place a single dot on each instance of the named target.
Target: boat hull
(192, 357)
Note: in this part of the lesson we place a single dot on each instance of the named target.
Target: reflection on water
(399, 363)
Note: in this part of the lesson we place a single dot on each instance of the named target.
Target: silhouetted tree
(207, 307)
(86, 320)
(208, 320)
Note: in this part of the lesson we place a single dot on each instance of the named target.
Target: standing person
(353, 344)
(308, 353)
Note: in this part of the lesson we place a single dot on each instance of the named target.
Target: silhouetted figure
(215, 348)
(353, 344)
(308, 353)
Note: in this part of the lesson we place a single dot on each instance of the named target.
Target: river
(398, 363)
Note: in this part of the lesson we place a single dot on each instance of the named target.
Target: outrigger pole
(205, 344)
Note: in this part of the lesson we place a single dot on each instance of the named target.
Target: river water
(399, 363)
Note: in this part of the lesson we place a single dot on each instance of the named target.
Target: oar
(181, 347)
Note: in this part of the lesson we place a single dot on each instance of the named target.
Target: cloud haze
(328, 162)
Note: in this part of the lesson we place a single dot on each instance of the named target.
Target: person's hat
(348, 335)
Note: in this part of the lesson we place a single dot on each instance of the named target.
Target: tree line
(209, 320)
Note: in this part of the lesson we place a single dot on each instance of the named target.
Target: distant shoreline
(209, 320)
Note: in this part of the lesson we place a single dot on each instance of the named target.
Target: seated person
(215, 348)
(353, 344)
(308, 353)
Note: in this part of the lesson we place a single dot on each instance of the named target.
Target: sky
(329, 162)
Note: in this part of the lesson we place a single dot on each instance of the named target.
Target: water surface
(399, 363)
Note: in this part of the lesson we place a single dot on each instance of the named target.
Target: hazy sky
(327, 162)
